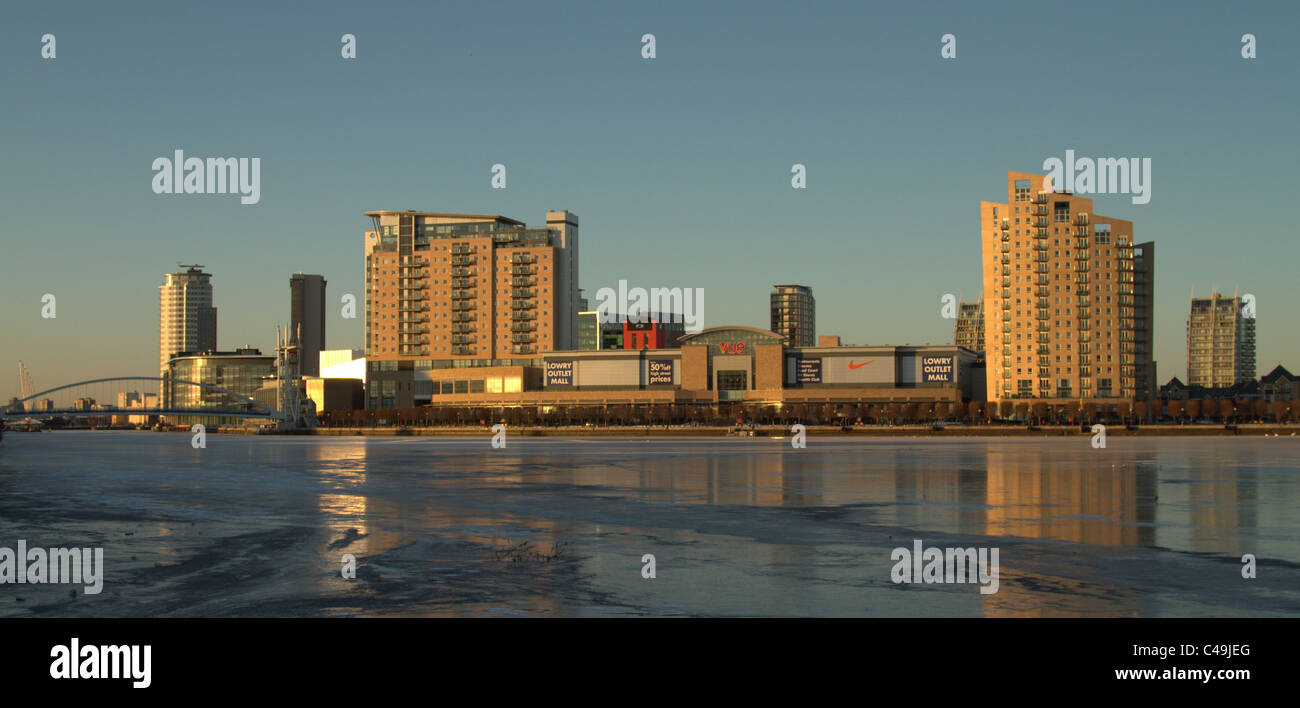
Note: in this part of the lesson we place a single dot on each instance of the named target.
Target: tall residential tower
(1068, 299)
(187, 321)
(464, 290)
(1220, 342)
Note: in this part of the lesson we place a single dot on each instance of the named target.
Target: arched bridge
(131, 396)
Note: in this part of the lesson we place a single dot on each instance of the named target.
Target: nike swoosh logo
(859, 366)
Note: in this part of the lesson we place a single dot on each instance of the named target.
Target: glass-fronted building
(241, 372)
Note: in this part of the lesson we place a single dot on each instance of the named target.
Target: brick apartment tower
(476, 287)
(1068, 299)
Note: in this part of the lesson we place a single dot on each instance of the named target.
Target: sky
(678, 167)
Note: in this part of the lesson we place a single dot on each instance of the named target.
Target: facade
(970, 326)
(336, 394)
(611, 335)
(307, 319)
(1279, 385)
(794, 314)
(1220, 342)
(455, 290)
(588, 330)
(716, 365)
(187, 321)
(1068, 299)
(242, 371)
(661, 333)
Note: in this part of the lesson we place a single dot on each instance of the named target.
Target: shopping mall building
(720, 364)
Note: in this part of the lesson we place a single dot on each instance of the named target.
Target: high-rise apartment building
(1220, 342)
(307, 319)
(1068, 299)
(187, 321)
(970, 326)
(794, 314)
(459, 290)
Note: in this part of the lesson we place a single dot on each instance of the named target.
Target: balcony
(461, 272)
(462, 351)
(463, 317)
(523, 316)
(523, 282)
(462, 339)
(522, 305)
(522, 259)
(523, 270)
(463, 261)
(523, 338)
(462, 295)
(523, 292)
(1080, 219)
(461, 283)
(523, 327)
(523, 349)
(1081, 255)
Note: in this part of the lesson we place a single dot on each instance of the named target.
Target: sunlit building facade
(1068, 299)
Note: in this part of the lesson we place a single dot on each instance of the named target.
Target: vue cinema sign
(732, 347)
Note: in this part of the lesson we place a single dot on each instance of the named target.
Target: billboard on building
(659, 371)
(808, 370)
(559, 373)
(937, 369)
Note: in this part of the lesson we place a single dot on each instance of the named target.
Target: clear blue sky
(678, 167)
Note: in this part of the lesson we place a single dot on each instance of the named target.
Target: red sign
(732, 347)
